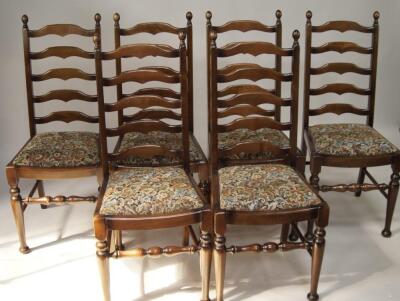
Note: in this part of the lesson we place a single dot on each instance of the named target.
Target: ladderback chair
(171, 140)
(350, 145)
(148, 197)
(262, 192)
(249, 93)
(54, 155)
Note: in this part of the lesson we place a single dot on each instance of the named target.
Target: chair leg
(391, 201)
(285, 232)
(185, 239)
(360, 180)
(317, 255)
(118, 240)
(293, 235)
(205, 264)
(104, 268)
(16, 205)
(310, 227)
(219, 265)
(41, 193)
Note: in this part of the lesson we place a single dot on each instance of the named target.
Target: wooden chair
(53, 155)
(171, 140)
(246, 135)
(264, 192)
(349, 145)
(148, 197)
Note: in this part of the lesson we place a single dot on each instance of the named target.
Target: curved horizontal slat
(340, 68)
(163, 69)
(253, 99)
(342, 26)
(253, 123)
(151, 28)
(145, 151)
(141, 51)
(141, 76)
(142, 101)
(163, 92)
(339, 88)
(65, 95)
(254, 148)
(62, 52)
(253, 48)
(67, 116)
(251, 73)
(236, 89)
(64, 74)
(244, 26)
(245, 110)
(341, 47)
(156, 114)
(338, 109)
(143, 127)
(61, 30)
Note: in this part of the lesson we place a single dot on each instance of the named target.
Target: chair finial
(116, 17)
(25, 20)
(97, 18)
(278, 14)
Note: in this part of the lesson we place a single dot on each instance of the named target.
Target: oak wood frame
(389, 191)
(289, 156)
(15, 173)
(107, 226)
(245, 26)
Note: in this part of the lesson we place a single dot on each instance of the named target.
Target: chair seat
(349, 139)
(60, 149)
(263, 187)
(149, 191)
(229, 139)
(171, 141)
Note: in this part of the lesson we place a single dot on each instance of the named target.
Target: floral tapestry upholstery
(60, 149)
(349, 139)
(229, 139)
(149, 191)
(263, 187)
(172, 141)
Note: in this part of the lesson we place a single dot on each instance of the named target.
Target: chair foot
(386, 233)
(309, 237)
(312, 297)
(293, 237)
(25, 250)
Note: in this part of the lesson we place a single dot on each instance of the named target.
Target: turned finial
(96, 40)
(182, 37)
(208, 16)
(278, 14)
(309, 15)
(97, 18)
(189, 17)
(25, 19)
(116, 18)
(213, 37)
(296, 35)
(376, 16)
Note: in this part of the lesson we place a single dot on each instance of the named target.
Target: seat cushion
(60, 149)
(349, 139)
(149, 191)
(263, 187)
(171, 141)
(229, 139)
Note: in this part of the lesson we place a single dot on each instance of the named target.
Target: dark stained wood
(342, 26)
(64, 74)
(252, 147)
(142, 101)
(253, 99)
(253, 123)
(61, 30)
(151, 28)
(340, 68)
(341, 47)
(64, 95)
(141, 76)
(244, 26)
(62, 52)
(244, 110)
(339, 88)
(141, 51)
(144, 126)
(163, 92)
(252, 73)
(338, 109)
(253, 48)
(145, 151)
(236, 89)
(153, 114)
(66, 116)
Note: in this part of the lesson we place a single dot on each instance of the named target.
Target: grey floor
(359, 263)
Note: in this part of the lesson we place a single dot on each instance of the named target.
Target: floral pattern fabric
(263, 187)
(149, 191)
(60, 149)
(229, 139)
(172, 141)
(349, 139)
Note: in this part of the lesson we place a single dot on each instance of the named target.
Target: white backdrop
(13, 115)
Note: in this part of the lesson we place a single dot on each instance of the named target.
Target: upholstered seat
(149, 191)
(349, 139)
(60, 149)
(168, 140)
(229, 139)
(263, 187)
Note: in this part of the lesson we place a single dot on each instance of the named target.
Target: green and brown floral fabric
(229, 139)
(263, 187)
(172, 141)
(349, 139)
(149, 191)
(60, 149)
